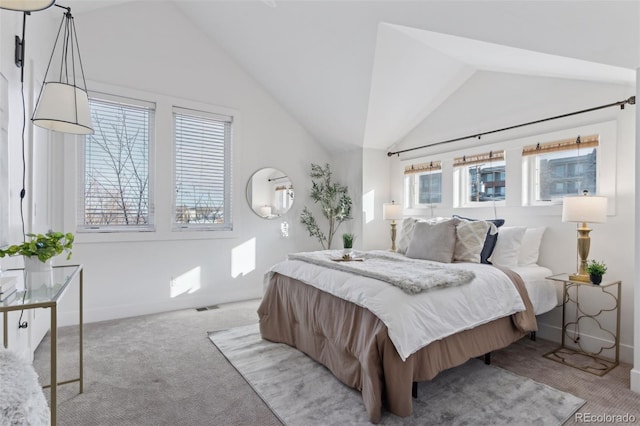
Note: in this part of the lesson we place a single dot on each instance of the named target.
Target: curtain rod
(621, 104)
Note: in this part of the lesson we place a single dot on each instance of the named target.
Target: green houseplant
(347, 240)
(595, 270)
(334, 202)
(42, 246)
(347, 243)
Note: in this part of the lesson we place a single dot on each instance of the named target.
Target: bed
(370, 335)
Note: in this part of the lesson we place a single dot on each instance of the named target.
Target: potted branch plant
(334, 201)
(595, 270)
(39, 249)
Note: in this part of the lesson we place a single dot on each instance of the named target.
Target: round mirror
(270, 193)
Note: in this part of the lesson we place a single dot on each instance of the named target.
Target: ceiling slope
(364, 73)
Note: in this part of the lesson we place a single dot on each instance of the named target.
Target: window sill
(123, 237)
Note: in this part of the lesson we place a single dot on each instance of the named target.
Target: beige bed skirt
(353, 343)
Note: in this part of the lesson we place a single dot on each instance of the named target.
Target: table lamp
(582, 209)
(392, 212)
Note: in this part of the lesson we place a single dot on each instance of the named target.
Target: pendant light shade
(63, 104)
(25, 5)
(63, 108)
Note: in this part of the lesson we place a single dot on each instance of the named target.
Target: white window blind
(116, 167)
(202, 170)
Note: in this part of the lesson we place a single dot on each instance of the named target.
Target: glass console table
(45, 290)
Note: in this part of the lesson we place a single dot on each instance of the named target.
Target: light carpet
(303, 392)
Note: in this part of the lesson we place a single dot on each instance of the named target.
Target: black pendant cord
(23, 191)
(621, 104)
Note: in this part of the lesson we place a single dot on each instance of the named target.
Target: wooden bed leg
(414, 389)
(487, 358)
(532, 335)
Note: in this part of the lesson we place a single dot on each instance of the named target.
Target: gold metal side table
(47, 292)
(598, 364)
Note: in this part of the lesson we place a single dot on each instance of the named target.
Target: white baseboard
(635, 380)
(133, 310)
(554, 334)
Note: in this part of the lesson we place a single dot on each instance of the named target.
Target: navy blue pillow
(489, 241)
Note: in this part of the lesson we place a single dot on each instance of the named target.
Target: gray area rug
(302, 392)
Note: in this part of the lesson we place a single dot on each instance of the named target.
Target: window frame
(411, 184)
(530, 166)
(212, 114)
(606, 160)
(65, 210)
(461, 184)
(416, 189)
(81, 168)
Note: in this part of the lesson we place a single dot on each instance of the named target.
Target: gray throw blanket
(411, 275)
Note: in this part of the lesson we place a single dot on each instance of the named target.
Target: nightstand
(591, 362)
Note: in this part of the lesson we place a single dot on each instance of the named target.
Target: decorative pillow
(530, 248)
(433, 241)
(508, 246)
(406, 231)
(491, 238)
(470, 240)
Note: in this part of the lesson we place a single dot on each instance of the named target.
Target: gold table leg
(81, 337)
(54, 362)
(5, 329)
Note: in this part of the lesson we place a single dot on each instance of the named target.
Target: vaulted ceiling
(365, 73)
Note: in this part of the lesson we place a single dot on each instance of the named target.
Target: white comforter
(415, 320)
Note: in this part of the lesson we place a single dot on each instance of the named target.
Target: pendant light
(25, 5)
(63, 103)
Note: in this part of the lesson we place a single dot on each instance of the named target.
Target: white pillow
(530, 248)
(470, 236)
(508, 245)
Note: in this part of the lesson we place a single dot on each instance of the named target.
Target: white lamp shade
(391, 211)
(25, 5)
(584, 208)
(63, 108)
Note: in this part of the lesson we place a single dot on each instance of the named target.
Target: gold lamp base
(393, 235)
(584, 243)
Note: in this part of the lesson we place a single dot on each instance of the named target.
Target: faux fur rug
(21, 399)
(411, 275)
(302, 392)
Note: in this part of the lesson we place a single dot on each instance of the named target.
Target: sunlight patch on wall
(188, 282)
(369, 206)
(243, 258)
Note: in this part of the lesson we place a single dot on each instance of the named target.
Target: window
(562, 167)
(480, 178)
(115, 172)
(202, 172)
(423, 184)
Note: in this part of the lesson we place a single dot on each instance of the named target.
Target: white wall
(157, 52)
(492, 100)
(635, 372)
(376, 192)
(40, 30)
(346, 167)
